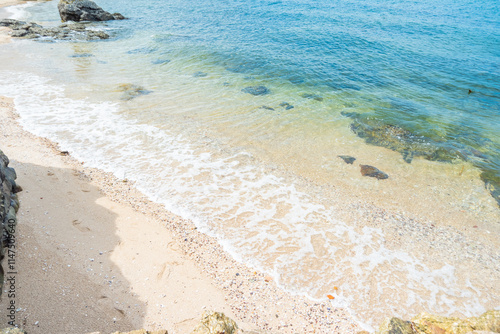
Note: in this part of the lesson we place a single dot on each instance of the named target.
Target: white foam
(257, 216)
(19, 12)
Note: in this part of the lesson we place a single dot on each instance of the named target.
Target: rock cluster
(84, 10)
(488, 322)
(9, 204)
(75, 31)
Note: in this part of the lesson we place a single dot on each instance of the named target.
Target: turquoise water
(404, 63)
(411, 87)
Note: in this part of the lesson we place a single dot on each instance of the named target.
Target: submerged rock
(488, 322)
(371, 171)
(410, 145)
(286, 105)
(347, 159)
(266, 107)
(131, 91)
(84, 10)
(398, 139)
(31, 30)
(215, 323)
(200, 74)
(143, 50)
(160, 61)
(256, 90)
(312, 97)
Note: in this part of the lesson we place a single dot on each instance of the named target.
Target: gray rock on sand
(371, 171)
(256, 90)
(84, 10)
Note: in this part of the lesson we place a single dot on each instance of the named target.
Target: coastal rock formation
(84, 10)
(214, 323)
(31, 30)
(488, 322)
(9, 204)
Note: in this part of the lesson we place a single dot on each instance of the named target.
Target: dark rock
(398, 139)
(160, 61)
(312, 97)
(9, 204)
(84, 10)
(118, 16)
(347, 159)
(286, 105)
(143, 50)
(131, 91)
(371, 171)
(82, 55)
(256, 90)
(199, 74)
(266, 107)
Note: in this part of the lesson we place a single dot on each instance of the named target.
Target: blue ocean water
(430, 68)
(420, 79)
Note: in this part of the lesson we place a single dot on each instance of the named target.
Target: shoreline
(53, 258)
(236, 281)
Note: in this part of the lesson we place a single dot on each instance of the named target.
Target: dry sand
(93, 254)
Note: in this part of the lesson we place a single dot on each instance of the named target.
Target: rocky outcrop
(75, 31)
(488, 322)
(9, 204)
(84, 10)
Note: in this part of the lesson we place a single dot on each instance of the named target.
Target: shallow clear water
(265, 178)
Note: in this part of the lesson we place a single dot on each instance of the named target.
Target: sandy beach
(94, 254)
